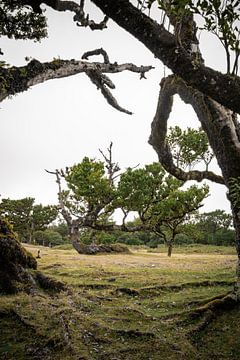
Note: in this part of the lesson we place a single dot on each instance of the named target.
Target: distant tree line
(35, 224)
(209, 228)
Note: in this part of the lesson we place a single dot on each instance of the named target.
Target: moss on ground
(133, 306)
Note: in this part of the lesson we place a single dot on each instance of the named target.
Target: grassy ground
(135, 306)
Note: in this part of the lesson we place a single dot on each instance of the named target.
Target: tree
(18, 213)
(212, 222)
(27, 217)
(177, 209)
(48, 237)
(213, 95)
(95, 189)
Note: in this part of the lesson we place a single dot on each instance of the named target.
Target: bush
(153, 244)
(182, 239)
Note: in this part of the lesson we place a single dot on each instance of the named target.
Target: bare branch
(17, 79)
(112, 167)
(80, 17)
(65, 213)
(100, 51)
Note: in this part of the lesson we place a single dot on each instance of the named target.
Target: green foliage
(213, 227)
(157, 198)
(43, 215)
(48, 237)
(222, 19)
(18, 213)
(138, 189)
(21, 22)
(61, 228)
(189, 147)
(179, 203)
(89, 187)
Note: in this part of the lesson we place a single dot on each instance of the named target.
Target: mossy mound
(101, 248)
(14, 261)
(17, 265)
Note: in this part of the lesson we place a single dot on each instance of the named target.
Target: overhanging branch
(17, 79)
(80, 17)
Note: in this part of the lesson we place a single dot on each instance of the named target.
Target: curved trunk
(74, 238)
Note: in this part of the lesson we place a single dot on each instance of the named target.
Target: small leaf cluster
(21, 22)
(189, 147)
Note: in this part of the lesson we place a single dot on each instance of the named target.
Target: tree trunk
(236, 222)
(170, 247)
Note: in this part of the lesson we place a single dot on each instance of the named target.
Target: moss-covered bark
(15, 262)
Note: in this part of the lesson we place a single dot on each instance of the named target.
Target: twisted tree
(95, 189)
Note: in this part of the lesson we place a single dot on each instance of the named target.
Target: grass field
(132, 306)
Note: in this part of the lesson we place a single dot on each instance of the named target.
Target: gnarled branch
(80, 17)
(100, 51)
(17, 79)
(170, 86)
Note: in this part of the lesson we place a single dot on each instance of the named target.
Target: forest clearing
(141, 305)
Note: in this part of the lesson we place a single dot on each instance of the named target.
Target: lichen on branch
(14, 79)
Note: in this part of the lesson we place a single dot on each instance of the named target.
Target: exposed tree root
(206, 313)
(226, 302)
(47, 283)
(18, 266)
(95, 286)
(128, 291)
(135, 333)
(186, 286)
(11, 313)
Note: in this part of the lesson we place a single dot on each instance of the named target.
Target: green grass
(124, 306)
(197, 249)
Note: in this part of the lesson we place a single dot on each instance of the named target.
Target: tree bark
(14, 80)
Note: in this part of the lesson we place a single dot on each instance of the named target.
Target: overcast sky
(57, 123)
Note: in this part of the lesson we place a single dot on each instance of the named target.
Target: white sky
(57, 123)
